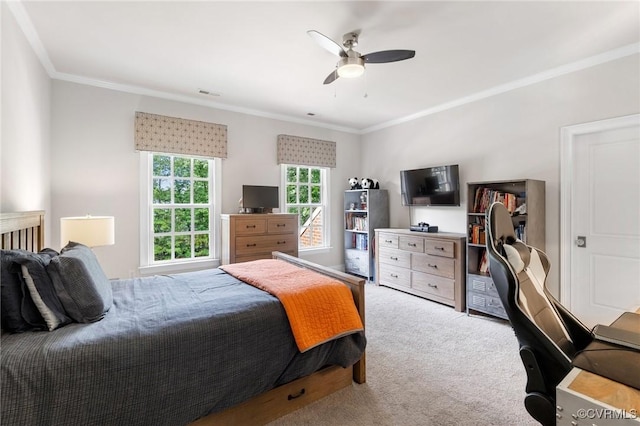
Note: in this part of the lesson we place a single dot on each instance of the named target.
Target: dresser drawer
(432, 284)
(439, 248)
(250, 226)
(486, 303)
(265, 243)
(482, 284)
(281, 225)
(356, 262)
(395, 257)
(394, 276)
(247, 237)
(436, 267)
(440, 266)
(388, 240)
(415, 244)
(356, 255)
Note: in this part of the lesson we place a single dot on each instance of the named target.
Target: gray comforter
(170, 350)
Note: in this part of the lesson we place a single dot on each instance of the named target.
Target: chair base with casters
(548, 334)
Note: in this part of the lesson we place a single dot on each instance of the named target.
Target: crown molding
(21, 16)
(602, 58)
(138, 90)
(24, 22)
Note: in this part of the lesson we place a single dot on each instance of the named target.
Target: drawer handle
(393, 258)
(281, 225)
(432, 266)
(250, 226)
(298, 395)
(412, 244)
(439, 248)
(388, 241)
(393, 275)
(251, 245)
(281, 242)
(432, 285)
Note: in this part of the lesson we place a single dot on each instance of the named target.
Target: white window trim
(326, 237)
(146, 267)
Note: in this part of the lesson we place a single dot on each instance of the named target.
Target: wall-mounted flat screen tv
(260, 198)
(430, 186)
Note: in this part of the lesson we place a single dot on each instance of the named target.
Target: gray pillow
(17, 310)
(81, 284)
(37, 282)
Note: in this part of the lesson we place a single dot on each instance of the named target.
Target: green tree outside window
(180, 207)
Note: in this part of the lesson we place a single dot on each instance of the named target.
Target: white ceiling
(258, 57)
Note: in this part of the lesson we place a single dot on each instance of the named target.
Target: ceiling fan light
(351, 71)
(351, 67)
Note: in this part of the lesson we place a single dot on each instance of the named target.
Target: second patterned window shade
(306, 151)
(160, 133)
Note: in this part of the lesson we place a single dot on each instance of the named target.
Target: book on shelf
(477, 234)
(359, 223)
(356, 222)
(360, 241)
(483, 266)
(484, 197)
(521, 231)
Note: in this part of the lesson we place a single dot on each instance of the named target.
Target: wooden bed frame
(25, 230)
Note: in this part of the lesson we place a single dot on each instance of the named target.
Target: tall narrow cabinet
(364, 211)
(525, 200)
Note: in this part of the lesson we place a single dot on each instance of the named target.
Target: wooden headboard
(22, 230)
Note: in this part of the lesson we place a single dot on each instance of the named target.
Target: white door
(604, 221)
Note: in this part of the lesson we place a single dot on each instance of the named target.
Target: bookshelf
(364, 211)
(525, 200)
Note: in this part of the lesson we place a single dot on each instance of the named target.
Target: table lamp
(92, 231)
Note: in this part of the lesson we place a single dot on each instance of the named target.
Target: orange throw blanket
(319, 308)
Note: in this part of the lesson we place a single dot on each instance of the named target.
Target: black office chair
(548, 334)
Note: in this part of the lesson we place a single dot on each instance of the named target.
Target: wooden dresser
(254, 236)
(429, 265)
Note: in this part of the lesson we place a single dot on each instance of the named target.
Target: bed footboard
(357, 290)
(289, 397)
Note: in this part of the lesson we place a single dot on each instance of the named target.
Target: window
(306, 195)
(178, 212)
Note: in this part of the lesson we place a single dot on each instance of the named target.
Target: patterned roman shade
(179, 136)
(306, 151)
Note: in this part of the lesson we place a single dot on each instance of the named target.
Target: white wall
(510, 136)
(96, 169)
(24, 149)
(89, 159)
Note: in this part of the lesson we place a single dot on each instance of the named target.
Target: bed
(174, 350)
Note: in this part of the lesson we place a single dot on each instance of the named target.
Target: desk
(585, 398)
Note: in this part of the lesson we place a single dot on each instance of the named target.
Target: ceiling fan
(351, 63)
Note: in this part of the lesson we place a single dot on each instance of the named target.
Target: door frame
(568, 139)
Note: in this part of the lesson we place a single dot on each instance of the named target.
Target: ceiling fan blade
(327, 43)
(331, 77)
(388, 56)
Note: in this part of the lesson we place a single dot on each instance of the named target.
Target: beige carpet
(427, 365)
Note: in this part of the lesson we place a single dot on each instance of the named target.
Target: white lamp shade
(92, 231)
